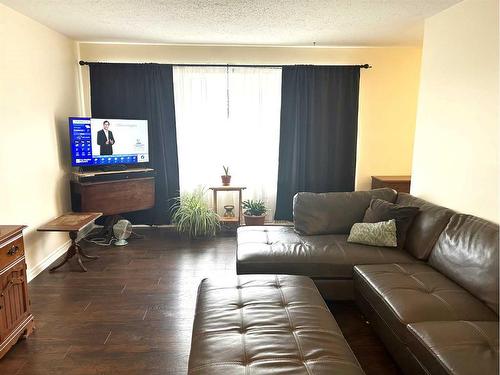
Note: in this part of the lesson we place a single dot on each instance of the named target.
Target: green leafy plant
(193, 217)
(226, 170)
(254, 207)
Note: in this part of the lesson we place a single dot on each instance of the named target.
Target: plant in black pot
(254, 212)
(226, 177)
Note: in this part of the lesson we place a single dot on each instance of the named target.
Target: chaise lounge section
(327, 259)
(439, 317)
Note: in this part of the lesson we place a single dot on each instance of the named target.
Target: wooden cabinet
(16, 319)
(113, 197)
(398, 183)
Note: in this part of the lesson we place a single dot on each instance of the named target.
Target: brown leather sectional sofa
(434, 303)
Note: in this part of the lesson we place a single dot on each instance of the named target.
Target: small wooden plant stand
(229, 220)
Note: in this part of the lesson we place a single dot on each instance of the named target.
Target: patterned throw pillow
(374, 234)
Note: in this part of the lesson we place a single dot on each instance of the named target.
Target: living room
(361, 138)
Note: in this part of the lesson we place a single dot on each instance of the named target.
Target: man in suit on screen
(105, 139)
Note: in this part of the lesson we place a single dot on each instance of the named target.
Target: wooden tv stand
(113, 192)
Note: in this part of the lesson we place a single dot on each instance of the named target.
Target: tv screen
(100, 141)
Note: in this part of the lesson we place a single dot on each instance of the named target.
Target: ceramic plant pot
(254, 220)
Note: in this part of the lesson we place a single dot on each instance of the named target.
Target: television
(106, 142)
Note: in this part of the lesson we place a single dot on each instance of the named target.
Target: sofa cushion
(458, 347)
(380, 210)
(409, 293)
(333, 213)
(275, 249)
(467, 253)
(374, 234)
(263, 324)
(426, 226)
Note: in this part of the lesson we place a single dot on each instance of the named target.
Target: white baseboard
(34, 271)
(56, 253)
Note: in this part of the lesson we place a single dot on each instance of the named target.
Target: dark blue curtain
(318, 132)
(143, 91)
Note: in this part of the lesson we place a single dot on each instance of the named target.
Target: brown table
(239, 189)
(398, 183)
(72, 223)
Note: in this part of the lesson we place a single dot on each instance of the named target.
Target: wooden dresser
(16, 319)
(398, 183)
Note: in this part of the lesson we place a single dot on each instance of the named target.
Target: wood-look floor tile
(132, 313)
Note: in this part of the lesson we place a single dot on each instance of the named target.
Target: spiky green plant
(254, 207)
(193, 217)
(226, 170)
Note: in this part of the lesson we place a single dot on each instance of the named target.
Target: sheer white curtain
(229, 116)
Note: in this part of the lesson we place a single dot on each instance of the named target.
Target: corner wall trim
(49, 259)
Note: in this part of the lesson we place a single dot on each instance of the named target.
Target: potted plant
(226, 177)
(193, 217)
(254, 212)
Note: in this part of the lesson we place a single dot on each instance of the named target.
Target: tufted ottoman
(263, 324)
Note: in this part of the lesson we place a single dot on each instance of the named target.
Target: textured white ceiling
(258, 22)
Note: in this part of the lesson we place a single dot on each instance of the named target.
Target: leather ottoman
(262, 324)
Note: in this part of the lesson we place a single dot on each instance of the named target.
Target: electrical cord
(136, 235)
(102, 241)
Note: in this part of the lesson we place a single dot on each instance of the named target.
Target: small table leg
(73, 250)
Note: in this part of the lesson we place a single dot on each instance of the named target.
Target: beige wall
(388, 97)
(456, 145)
(38, 91)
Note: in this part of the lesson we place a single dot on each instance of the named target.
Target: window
(229, 116)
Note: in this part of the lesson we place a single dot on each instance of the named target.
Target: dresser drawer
(10, 251)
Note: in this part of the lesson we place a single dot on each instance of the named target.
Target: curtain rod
(362, 66)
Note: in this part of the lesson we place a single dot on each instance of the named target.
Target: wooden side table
(72, 223)
(239, 189)
(398, 183)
